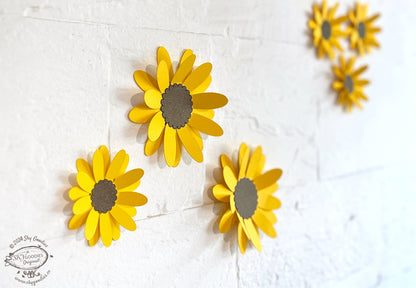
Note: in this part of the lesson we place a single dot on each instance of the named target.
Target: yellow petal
(130, 210)
(75, 193)
(267, 179)
(82, 205)
(226, 161)
(129, 181)
(131, 199)
(91, 224)
(98, 165)
(184, 69)
(260, 166)
(83, 166)
(77, 220)
(198, 76)
(105, 229)
(204, 86)
(106, 157)
(253, 234)
(270, 215)
(242, 239)
(144, 80)
(324, 9)
(163, 55)
(269, 202)
(369, 20)
(359, 71)
(227, 221)
(162, 76)
(197, 137)
(142, 114)
(205, 125)
(123, 218)
(254, 163)
(209, 100)
(185, 55)
(269, 190)
(232, 204)
(178, 151)
(95, 238)
(85, 181)
(190, 143)
(337, 85)
(243, 156)
(221, 193)
(263, 223)
(156, 126)
(152, 146)
(115, 228)
(152, 99)
(116, 165)
(169, 145)
(229, 178)
(208, 113)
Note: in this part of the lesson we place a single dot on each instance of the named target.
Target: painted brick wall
(348, 190)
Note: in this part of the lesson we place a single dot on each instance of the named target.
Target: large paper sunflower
(249, 193)
(177, 107)
(104, 198)
(349, 84)
(326, 29)
(362, 30)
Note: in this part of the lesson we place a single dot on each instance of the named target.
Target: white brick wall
(348, 190)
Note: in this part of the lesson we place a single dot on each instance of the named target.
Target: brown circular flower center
(176, 106)
(245, 197)
(104, 196)
(362, 30)
(349, 83)
(326, 30)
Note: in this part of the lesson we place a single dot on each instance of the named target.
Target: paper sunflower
(104, 199)
(249, 194)
(362, 30)
(349, 85)
(326, 29)
(177, 107)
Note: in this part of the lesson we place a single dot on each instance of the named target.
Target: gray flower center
(104, 196)
(326, 30)
(245, 197)
(176, 106)
(349, 83)
(362, 30)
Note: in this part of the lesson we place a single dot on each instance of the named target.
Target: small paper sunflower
(177, 107)
(249, 193)
(104, 198)
(349, 85)
(326, 29)
(362, 31)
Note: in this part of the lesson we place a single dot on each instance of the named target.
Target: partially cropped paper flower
(248, 193)
(177, 107)
(326, 29)
(105, 197)
(349, 84)
(362, 31)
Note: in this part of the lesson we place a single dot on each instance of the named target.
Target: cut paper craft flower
(349, 85)
(104, 199)
(177, 107)
(249, 193)
(326, 29)
(362, 31)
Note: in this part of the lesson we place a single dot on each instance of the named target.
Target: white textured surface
(348, 190)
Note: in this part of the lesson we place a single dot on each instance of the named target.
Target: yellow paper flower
(362, 30)
(349, 85)
(326, 29)
(104, 199)
(249, 194)
(177, 107)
